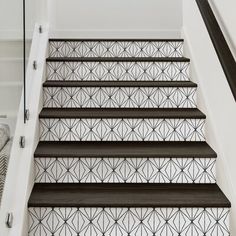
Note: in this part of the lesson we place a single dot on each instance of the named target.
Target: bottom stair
(128, 209)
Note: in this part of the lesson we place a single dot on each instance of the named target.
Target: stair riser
(128, 221)
(117, 71)
(122, 129)
(123, 97)
(125, 170)
(116, 49)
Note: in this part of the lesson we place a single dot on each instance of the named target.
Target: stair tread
(127, 195)
(110, 149)
(158, 113)
(120, 59)
(56, 83)
(112, 39)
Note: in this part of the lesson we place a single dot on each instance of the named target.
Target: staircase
(122, 148)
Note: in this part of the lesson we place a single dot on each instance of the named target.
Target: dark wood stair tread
(125, 149)
(57, 83)
(157, 113)
(119, 59)
(127, 195)
(113, 39)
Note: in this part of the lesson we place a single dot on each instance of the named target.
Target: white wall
(11, 19)
(93, 18)
(225, 14)
(214, 99)
(112, 18)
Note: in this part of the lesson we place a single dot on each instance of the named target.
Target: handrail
(221, 46)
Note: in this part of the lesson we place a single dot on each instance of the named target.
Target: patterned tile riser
(128, 222)
(118, 71)
(119, 97)
(122, 129)
(116, 49)
(125, 170)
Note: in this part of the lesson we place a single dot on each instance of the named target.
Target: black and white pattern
(122, 129)
(125, 170)
(4, 158)
(117, 71)
(116, 48)
(120, 97)
(128, 221)
(121, 221)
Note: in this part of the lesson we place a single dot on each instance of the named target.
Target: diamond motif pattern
(129, 221)
(122, 130)
(118, 71)
(78, 221)
(116, 49)
(125, 170)
(120, 97)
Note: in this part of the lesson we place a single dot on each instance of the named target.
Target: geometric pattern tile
(118, 129)
(120, 97)
(116, 48)
(125, 170)
(117, 71)
(128, 221)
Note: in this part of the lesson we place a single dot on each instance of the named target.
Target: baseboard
(96, 33)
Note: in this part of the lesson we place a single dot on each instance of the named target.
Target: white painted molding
(215, 99)
(20, 169)
(97, 33)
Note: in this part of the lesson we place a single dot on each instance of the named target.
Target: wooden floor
(132, 113)
(120, 59)
(125, 149)
(127, 195)
(158, 84)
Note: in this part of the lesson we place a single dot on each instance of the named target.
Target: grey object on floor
(4, 135)
(4, 158)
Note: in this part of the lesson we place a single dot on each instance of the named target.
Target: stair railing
(221, 46)
(13, 212)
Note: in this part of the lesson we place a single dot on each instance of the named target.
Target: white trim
(100, 33)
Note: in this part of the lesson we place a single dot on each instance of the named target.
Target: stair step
(152, 113)
(123, 162)
(118, 59)
(113, 40)
(125, 149)
(121, 94)
(127, 195)
(72, 124)
(158, 84)
(118, 69)
(116, 47)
